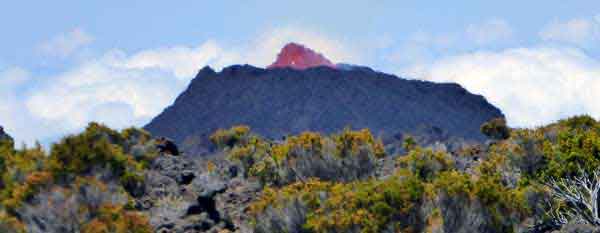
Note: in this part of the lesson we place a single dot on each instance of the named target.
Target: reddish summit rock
(299, 57)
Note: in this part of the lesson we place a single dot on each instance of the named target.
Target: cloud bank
(532, 86)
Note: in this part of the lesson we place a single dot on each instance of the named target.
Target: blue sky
(65, 63)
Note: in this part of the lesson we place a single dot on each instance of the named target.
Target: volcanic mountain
(304, 91)
(4, 135)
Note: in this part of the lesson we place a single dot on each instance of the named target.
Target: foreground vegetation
(87, 179)
(345, 182)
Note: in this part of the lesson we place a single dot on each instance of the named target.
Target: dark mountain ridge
(4, 135)
(283, 101)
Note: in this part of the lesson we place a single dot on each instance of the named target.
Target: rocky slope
(284, 101)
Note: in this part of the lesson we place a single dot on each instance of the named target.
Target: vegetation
(503, 189)
(315, 183)
(496, 129)
(346, 156)
(83, 166)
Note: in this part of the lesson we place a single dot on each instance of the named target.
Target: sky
(66, 63)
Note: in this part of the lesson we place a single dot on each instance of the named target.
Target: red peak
(299, 57)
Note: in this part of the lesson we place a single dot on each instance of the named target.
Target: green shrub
(575, 148)
(229, 138)
(496, 129)
(347, 156)
(425, 163)
(98, 147)
(370, 206)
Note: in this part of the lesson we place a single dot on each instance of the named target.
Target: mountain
(283, 100)
(4, 135)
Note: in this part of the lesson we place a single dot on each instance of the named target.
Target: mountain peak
(280, 102)
(4, 135)
(298, 56)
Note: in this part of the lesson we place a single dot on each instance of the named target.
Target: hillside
(102, 180)
(283, 101)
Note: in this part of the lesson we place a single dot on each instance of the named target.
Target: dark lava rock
(284, 101)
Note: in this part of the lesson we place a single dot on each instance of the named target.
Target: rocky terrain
(283, 100)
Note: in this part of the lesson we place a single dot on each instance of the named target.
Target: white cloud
(491, 31)
(532, 86)
(122, 89)
(9, 79)
(66, 44)
(116, 89)
(584, 32)
(423, 47)
(183, 62)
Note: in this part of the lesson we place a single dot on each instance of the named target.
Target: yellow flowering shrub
(350, 142)
(114, 219)
(223, 138)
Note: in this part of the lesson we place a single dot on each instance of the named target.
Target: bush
(80, 154)
(351, 143)
(99, 148)
(348, 156)
(362, 206)
(496, 129)
(70, 209)
(10, 224)
(460, 195)
(229, 138)
(114, 219)
(425, 163)
(32, 179)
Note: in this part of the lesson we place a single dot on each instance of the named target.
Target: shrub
(10, 224)
(80, 154)
(575, 149)
(229, 138)
(459, 194)
(496, 129)
(347, 156)
(114, 219)
(362, 206)
(350, 143)
(81, 186)
(409, 143)
(100, 148)
(6, 151)
(426, 163)
(15, 197)
(370, 206)
(70, 209)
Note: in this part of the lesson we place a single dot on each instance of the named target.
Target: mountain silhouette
(276, 102)
(4, 135)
